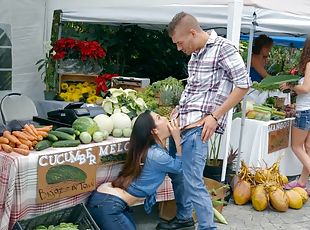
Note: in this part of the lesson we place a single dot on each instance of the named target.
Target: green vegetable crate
(77, 215)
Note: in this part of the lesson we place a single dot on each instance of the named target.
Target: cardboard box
(167, 209)
(69, 78)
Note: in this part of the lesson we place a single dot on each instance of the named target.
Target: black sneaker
(176, 223)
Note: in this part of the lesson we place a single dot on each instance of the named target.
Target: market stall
(22, 197)
(257, 149)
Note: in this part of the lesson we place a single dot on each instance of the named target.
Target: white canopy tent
(269, 16)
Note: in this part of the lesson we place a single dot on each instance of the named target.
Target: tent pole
(244, 101)
(235, 8)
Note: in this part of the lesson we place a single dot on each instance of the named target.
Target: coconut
(279, 200)
(295, 200)
(242, 192)
(259, 198)
(302, 192)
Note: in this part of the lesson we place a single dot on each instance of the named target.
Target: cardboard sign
(72, 172)
(278, 136)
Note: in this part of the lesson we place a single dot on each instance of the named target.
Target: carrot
(39, 138)
(33, 129)
(21, 151)
(30, 136)
(4, 140)
(45, 128)
(23, 146)
(6, 148)
(34, 143)
(20, 134)
(42, 133)
(12, 144)
(29, 130)
(10, 137)
(26, 142)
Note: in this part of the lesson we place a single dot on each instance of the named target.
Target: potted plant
(48, 73)
(213, 167)
(75, 56)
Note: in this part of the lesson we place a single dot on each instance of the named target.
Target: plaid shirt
(212, 71)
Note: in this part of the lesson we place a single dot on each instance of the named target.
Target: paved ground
(242, 218)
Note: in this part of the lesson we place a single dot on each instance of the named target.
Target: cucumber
(66, 143)
(62, 135)
(68, 130)
(44, 144)
(51, 137)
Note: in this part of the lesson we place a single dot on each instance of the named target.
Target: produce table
(18, 184)
(254, 150)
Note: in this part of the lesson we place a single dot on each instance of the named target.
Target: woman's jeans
(110, 212)
(194, 155)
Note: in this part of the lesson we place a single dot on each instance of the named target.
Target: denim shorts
(302, 120)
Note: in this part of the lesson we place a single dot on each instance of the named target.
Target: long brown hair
(305, 57)
(140, 141)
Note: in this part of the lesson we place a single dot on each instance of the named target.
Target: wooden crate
(69, 78)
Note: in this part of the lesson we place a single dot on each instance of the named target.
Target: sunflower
(64, 86)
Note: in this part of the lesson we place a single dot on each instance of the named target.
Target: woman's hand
(285, 86)
(175, 131)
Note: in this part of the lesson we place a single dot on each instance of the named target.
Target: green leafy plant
(47, 68)
(125, 101)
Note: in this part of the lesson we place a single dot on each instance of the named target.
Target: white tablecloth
(254, 149)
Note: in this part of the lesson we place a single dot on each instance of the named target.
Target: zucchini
(62, 135)
(68, 130)
(66, 143)
(44, 144)
(51, 137)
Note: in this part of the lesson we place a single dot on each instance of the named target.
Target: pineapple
(165, 100)
(169, 98)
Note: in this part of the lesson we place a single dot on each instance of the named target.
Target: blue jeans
(184, 205)
(194, 156)
(110, 212)
(302, 120)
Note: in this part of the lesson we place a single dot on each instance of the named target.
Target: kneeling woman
(143, 172)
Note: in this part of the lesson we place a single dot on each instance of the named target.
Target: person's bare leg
(303, 179)
(299, 139)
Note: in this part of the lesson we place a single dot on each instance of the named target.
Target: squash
(121, 121)
(104, 122)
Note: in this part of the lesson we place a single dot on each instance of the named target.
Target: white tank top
(302, 100)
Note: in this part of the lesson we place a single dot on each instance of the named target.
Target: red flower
(71, 48)
(102, 82)
(294, 71)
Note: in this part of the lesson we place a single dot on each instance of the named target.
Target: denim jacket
(157, 164)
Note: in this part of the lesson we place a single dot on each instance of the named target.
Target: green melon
(85, 124)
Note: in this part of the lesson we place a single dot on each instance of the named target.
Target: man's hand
(209, 126)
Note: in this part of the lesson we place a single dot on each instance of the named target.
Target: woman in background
(260, 52)
(145, 169)
(301, 126)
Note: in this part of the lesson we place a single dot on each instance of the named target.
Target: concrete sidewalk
(241, 218)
